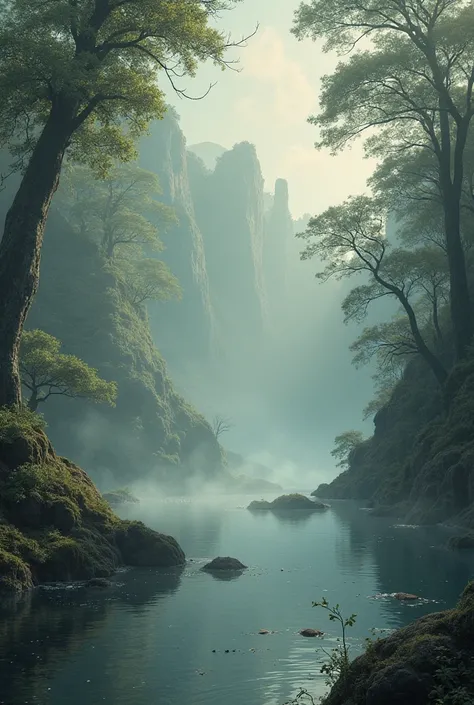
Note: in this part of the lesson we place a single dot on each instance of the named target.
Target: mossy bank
(427, 663)
(54, 524)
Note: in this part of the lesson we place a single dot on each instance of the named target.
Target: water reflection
(296, 516)
(48, 626)
(157, 638)
(225, 575)
(406, 559)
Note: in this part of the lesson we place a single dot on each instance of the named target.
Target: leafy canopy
(103, 57)
(115, 211)
(46, 372)
(147, 280)
(344, 444)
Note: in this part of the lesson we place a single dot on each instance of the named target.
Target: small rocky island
(224, 563)
(288, 502)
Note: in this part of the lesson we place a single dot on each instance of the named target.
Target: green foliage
(115, 211)
(338, 663)
(344, 444)
(17, 423)
(102, 60)
(147, 280)
(397, 85)
(46, 372)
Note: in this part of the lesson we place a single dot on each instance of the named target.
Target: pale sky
(268, 104)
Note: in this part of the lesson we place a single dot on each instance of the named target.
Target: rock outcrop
(54, 524)
(164, 153)
(278, 236)
(429, 661)
(229, 208)
(418, 465)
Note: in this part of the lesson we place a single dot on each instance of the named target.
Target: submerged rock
(54, 524)
(464, 542)
(405, 596)
(225, 563)
(98, 583)
(288, 502)
(433, 655)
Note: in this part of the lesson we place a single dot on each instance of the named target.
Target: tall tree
(350, 238)
(414, 86)
(116, 210)
(80, 76)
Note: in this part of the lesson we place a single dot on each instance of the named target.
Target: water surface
(161, 637)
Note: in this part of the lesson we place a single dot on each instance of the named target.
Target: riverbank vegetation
(408, 242)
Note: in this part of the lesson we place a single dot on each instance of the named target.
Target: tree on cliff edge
(80, 76)
(47, 372)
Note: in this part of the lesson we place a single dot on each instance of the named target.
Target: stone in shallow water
(311, 632)
(98, 583)
(405, 596)
(224, 563)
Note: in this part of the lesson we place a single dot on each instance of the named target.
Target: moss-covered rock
(54, 524)
(141, 546)
(428, 662)
(225, 563)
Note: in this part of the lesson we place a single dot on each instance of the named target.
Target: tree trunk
(20, 247)
(433, 361)
(459, 288)
(438, 332)
(33, 401)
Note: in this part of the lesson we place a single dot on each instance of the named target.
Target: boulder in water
(405, 596)
(224, 563)
(311, 632)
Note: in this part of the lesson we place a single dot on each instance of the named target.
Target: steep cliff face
(164, 153)
(152, 431)
(278, 236)
(208, 152)
(230, 213)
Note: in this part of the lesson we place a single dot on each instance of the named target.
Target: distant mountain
(209, 152)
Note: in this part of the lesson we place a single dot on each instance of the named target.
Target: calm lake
(150, 638)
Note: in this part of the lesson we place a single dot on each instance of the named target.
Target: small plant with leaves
(337, 665)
